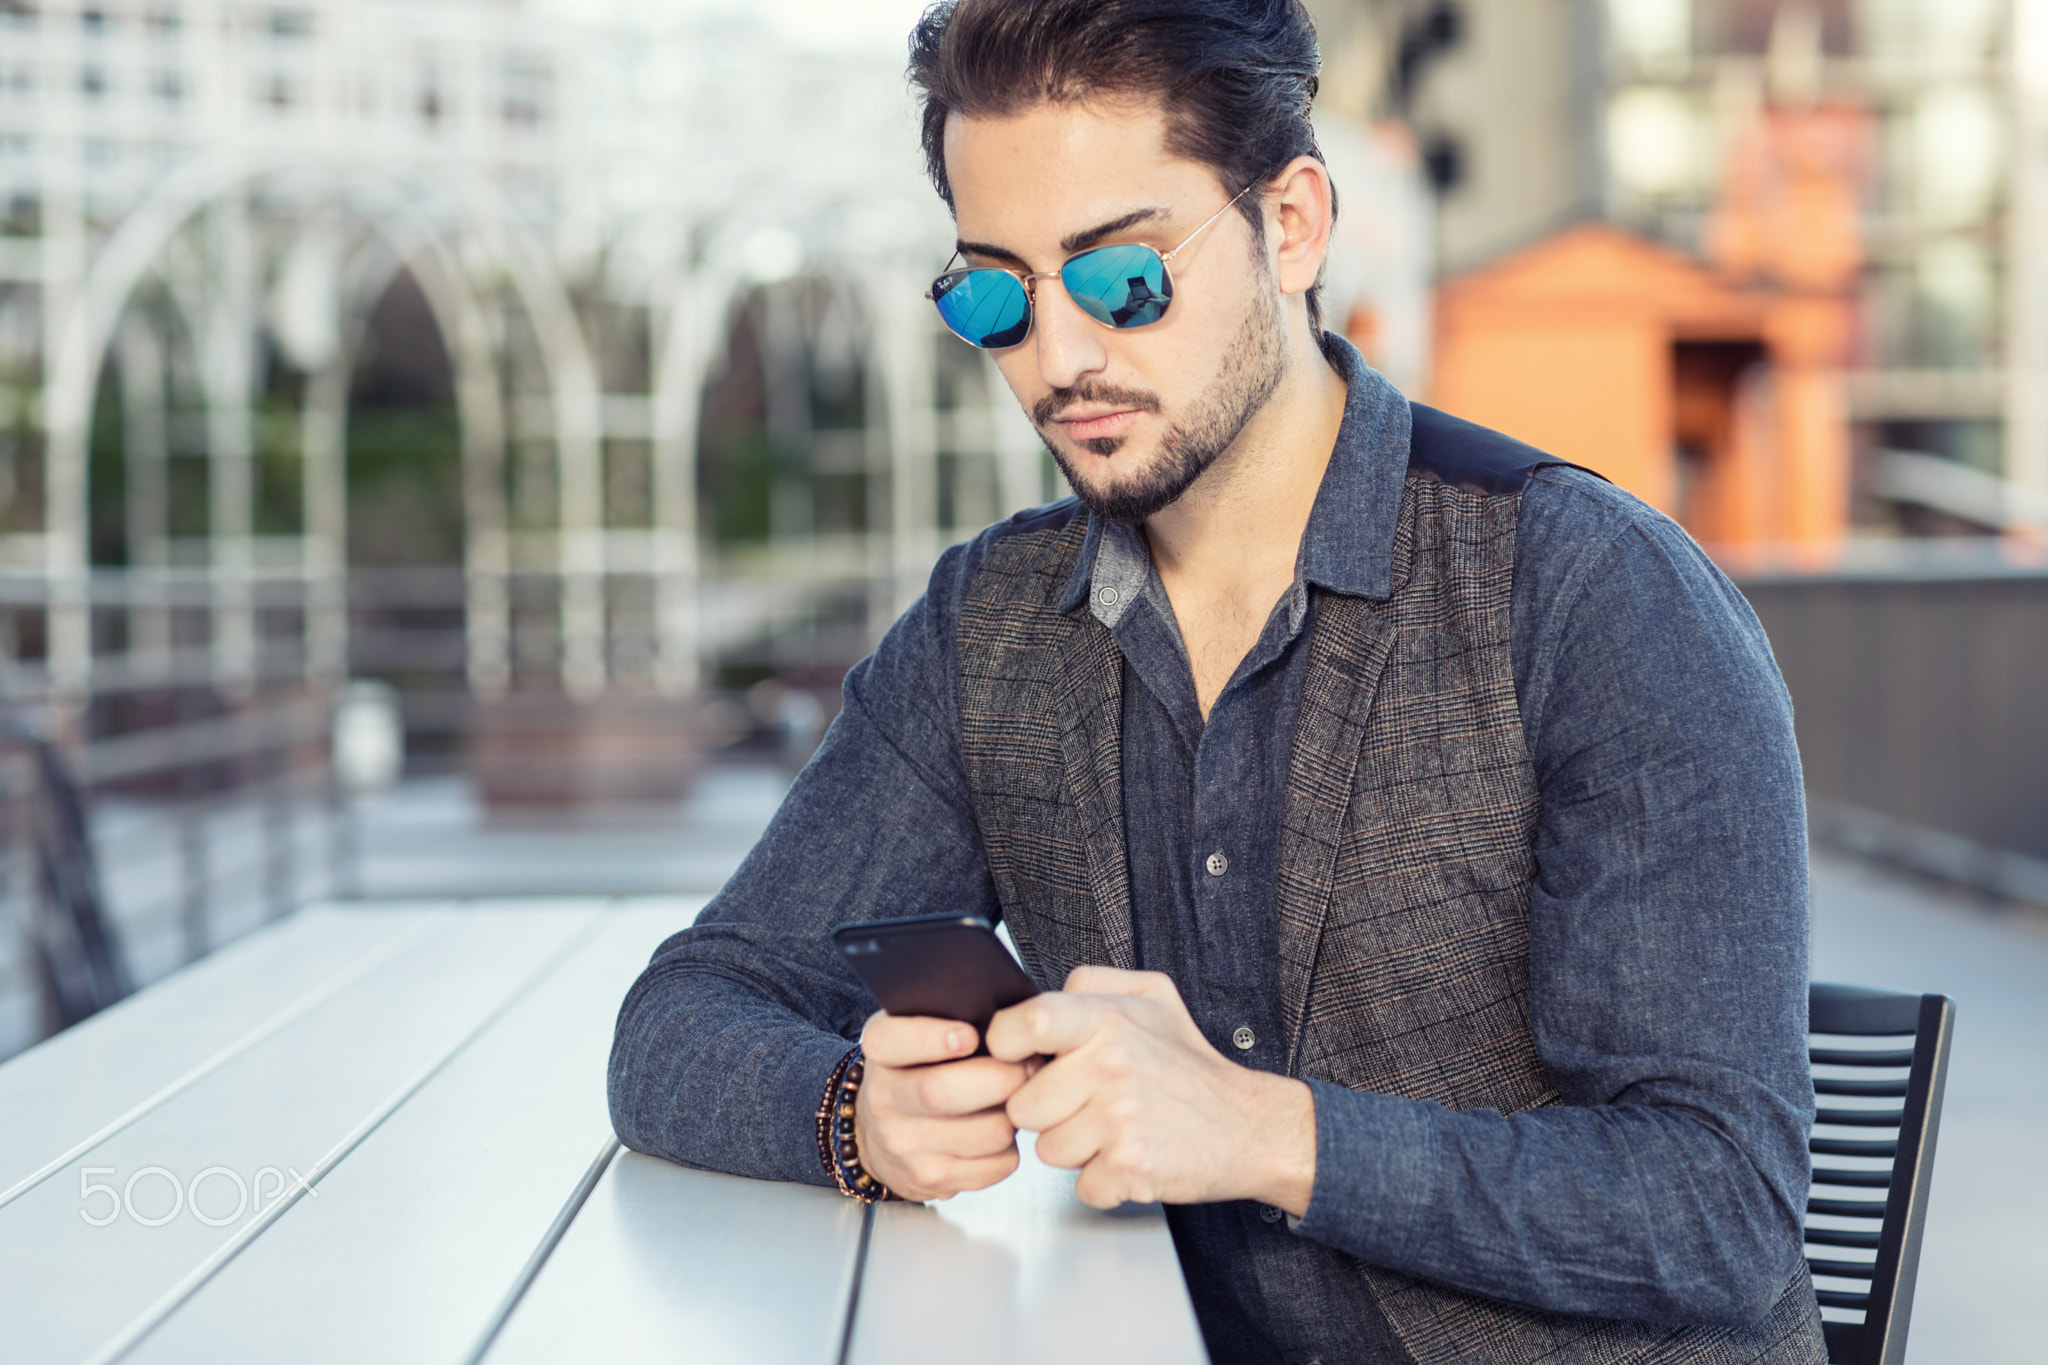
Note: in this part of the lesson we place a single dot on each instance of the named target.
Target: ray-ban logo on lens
(154, 1195)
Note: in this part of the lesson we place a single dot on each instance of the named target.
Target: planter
(540, 753)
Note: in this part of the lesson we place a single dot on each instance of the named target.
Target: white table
(413, 1097)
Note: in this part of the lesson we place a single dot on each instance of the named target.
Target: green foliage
(279, 504)
(106, 475)
(737, 483)
(280, 500)
(404, 486)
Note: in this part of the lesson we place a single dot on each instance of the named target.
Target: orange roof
(1594, 267)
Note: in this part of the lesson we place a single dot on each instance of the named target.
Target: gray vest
(1404, 869)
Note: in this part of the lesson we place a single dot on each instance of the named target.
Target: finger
(976, 1137)
(977, 1175)
(1157, 987)
(892, 1041)
(1058, 1092)
(1113, 1166)
(1071, 1145)
(1091, 980)
(932, 1167)
(908, 1140)
(1101, 1188)
(1047, 1024)
(963, 1087)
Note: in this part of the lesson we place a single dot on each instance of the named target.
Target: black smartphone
(935, 966)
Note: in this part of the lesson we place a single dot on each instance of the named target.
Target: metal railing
(195, 751)
(1916, 683)
(189, 834)
(200, 743)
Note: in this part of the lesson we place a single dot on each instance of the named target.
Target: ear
(1299, 213)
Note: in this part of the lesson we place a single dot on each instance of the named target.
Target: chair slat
(1862, 1180)
(1830, 1056)
(1860, 1118)
(1839, 1237)
(1846, 1147)
(1861, 1011)
(1831, 1298)
(1829, 1085)
(1842, 1270)
(1846, 1208)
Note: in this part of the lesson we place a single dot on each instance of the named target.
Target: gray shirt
(1667, 927)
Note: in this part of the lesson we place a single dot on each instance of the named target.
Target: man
(1413, 821)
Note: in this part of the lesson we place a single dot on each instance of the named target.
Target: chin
(1108, 467)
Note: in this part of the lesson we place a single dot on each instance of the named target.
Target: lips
(1098, 427)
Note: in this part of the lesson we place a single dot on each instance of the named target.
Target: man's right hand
(929, 1118)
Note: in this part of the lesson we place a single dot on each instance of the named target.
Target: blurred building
(559, 224)
(562, 363)
(1868, 171)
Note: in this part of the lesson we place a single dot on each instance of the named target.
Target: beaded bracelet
(837, 1147)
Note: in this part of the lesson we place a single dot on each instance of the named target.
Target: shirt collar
(1348, 546)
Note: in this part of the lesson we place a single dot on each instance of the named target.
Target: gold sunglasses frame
(1029, 279)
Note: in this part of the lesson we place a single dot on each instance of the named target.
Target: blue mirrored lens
(983, 307)
(1124, 286)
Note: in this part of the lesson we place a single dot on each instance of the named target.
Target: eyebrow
(1079, 241)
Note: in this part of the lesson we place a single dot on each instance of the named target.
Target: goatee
(1251, 371)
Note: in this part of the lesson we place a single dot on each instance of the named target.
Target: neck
(1240, 526)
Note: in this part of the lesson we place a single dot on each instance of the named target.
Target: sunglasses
(1122, 286)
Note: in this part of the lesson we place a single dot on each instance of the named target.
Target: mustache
(1046, 409)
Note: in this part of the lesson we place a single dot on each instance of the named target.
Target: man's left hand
(1137, 1100)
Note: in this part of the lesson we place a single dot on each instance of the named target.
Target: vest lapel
(1348, 652)
(1089, 702)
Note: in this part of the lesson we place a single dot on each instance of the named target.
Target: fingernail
(954, 1038)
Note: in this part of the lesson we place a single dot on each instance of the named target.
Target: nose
(1070, 344)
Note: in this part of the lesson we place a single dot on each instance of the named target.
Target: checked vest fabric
(1405, 861)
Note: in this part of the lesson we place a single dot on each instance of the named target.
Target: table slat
(1022, 1272)
(667, 1264)
(90, 1075)
(417, 1235)
(68, 1290)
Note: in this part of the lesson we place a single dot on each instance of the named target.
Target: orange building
(1712, 393)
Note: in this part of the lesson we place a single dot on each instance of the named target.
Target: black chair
(1888, 1224)
(79, 963)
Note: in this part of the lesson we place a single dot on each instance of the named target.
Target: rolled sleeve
(725, 1042)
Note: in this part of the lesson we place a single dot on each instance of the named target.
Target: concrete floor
(1985, 1255)
(432, 838)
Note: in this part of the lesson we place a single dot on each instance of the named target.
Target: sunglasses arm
(1168, 256)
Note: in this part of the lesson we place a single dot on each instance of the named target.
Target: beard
(1252, 369)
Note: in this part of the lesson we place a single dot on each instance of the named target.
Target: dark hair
(1236, 77)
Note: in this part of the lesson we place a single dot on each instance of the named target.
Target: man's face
(1132, 417)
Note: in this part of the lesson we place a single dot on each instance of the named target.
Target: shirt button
(1244, 1038)
(1106, 596)
(1218, 864)
(1270, 1214)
